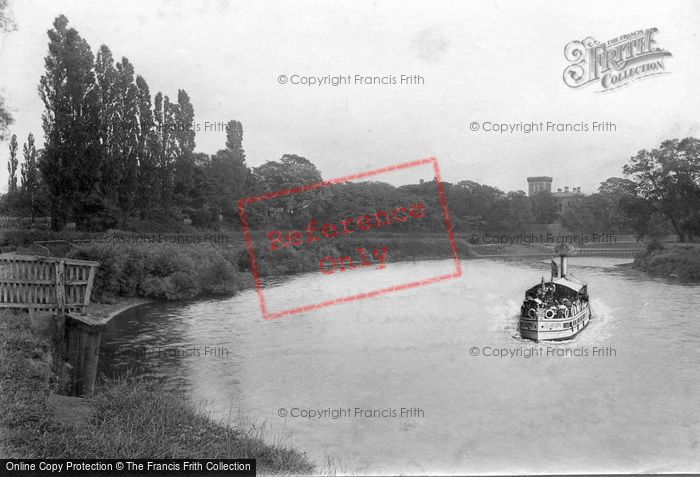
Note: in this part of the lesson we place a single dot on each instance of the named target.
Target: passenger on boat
(562, 311)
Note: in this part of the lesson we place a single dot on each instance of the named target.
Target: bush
(161, 271)
(654, 244)
(171, 271)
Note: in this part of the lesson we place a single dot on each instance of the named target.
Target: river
(621, 397)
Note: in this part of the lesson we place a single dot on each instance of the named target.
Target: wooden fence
(609, 252)
(58, 285)
(46, 283)
(580, 252)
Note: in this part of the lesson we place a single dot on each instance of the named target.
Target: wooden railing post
(61, 344)
(60, 286)
(60, 289)
(88, 288)
(83, 338)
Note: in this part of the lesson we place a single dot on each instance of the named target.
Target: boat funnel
(564, 250)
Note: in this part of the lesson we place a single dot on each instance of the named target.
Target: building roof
(569, 281)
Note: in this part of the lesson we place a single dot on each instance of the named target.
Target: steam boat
(558, 309)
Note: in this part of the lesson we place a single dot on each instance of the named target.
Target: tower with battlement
(539, 184)
(562, 198)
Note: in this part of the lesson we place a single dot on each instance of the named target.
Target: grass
(24, 388)
(681, 260)
(129, 418)
(135, 419)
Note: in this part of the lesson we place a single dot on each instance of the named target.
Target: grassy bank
(127, 418)
(679, 260)
(166, 271)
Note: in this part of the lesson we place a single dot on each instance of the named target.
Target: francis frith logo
(614, 63)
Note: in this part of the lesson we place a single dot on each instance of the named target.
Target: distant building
(539, 184)
(562, 198)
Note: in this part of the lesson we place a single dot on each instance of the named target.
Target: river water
(622, 396)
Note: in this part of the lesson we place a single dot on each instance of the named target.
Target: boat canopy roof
(569, 281)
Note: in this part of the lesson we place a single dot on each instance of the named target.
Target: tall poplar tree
(71, 162)
(106, 78)
(184, 146)
(30, 187)
(127, 138)
(229, 173)
(147, 151)
(12, 167)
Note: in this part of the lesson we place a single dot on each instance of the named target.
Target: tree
(106, 79)
(543, 207)
(597, 212)
(5, 119)
(184, 147)
(289, 172)
(632, 213)
(127, 140)
(519, 211)
(164, 147)
(30, 190)
(147, 151)
(477, 205)
(618, 187)
(669, 178)
(6, 25)
(229, 175)
(12, 167)
(71, 163)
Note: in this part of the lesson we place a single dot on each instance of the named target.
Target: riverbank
(103, 312)
(125, 419)
(676, 260)
(167, 271)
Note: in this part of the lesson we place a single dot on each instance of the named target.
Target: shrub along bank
(167, 271)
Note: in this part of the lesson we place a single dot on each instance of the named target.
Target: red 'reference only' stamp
(320, 232)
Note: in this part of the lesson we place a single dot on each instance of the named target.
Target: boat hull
(541, 328)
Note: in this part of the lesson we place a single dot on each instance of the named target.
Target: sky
(488, 61)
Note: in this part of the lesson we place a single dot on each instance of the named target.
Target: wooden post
(83, 338)
(60, 347)
(88, 288)
(60, 286)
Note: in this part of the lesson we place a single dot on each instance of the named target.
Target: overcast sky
(499, 61)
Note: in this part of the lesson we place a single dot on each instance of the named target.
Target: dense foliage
(162, 271)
